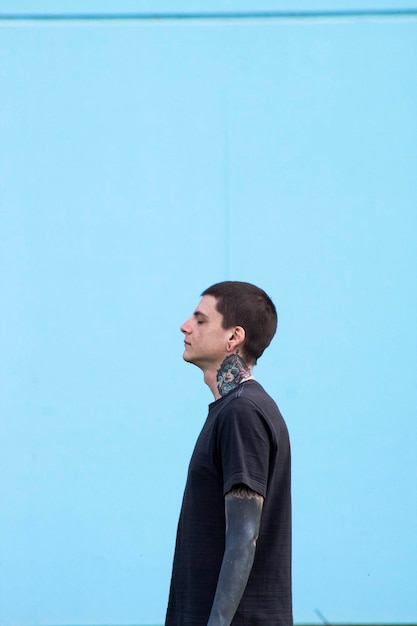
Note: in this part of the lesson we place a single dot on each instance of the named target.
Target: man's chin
(189, 359)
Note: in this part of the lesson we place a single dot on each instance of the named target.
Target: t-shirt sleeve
(244, 443)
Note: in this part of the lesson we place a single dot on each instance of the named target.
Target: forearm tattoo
(231, 373)
(243, 508)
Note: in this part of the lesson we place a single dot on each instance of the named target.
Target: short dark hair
(244, 304)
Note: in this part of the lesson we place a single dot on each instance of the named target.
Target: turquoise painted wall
(140, 162)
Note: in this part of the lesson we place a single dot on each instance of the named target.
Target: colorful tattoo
(232, 372)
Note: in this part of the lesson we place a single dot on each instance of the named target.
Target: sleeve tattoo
(243, 508)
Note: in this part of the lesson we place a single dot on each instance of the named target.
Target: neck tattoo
(232, 372)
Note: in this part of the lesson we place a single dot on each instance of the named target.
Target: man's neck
(233, 371)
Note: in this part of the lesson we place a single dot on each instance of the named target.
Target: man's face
(205, 339)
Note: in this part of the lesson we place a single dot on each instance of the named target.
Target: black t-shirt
(244, 440)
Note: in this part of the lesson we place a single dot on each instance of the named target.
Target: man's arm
(243, 516)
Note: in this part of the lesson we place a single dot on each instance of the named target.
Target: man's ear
(236, 338)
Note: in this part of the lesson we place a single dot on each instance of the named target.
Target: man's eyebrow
(199, 314)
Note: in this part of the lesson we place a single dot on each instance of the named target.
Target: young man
(232, 562)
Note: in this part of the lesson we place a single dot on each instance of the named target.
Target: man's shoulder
(250, 397)
(252, 391)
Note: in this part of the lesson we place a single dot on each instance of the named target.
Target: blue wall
(140, 162)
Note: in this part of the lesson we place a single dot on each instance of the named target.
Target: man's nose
(185, 328)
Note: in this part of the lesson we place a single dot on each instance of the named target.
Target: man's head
(243, 304)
